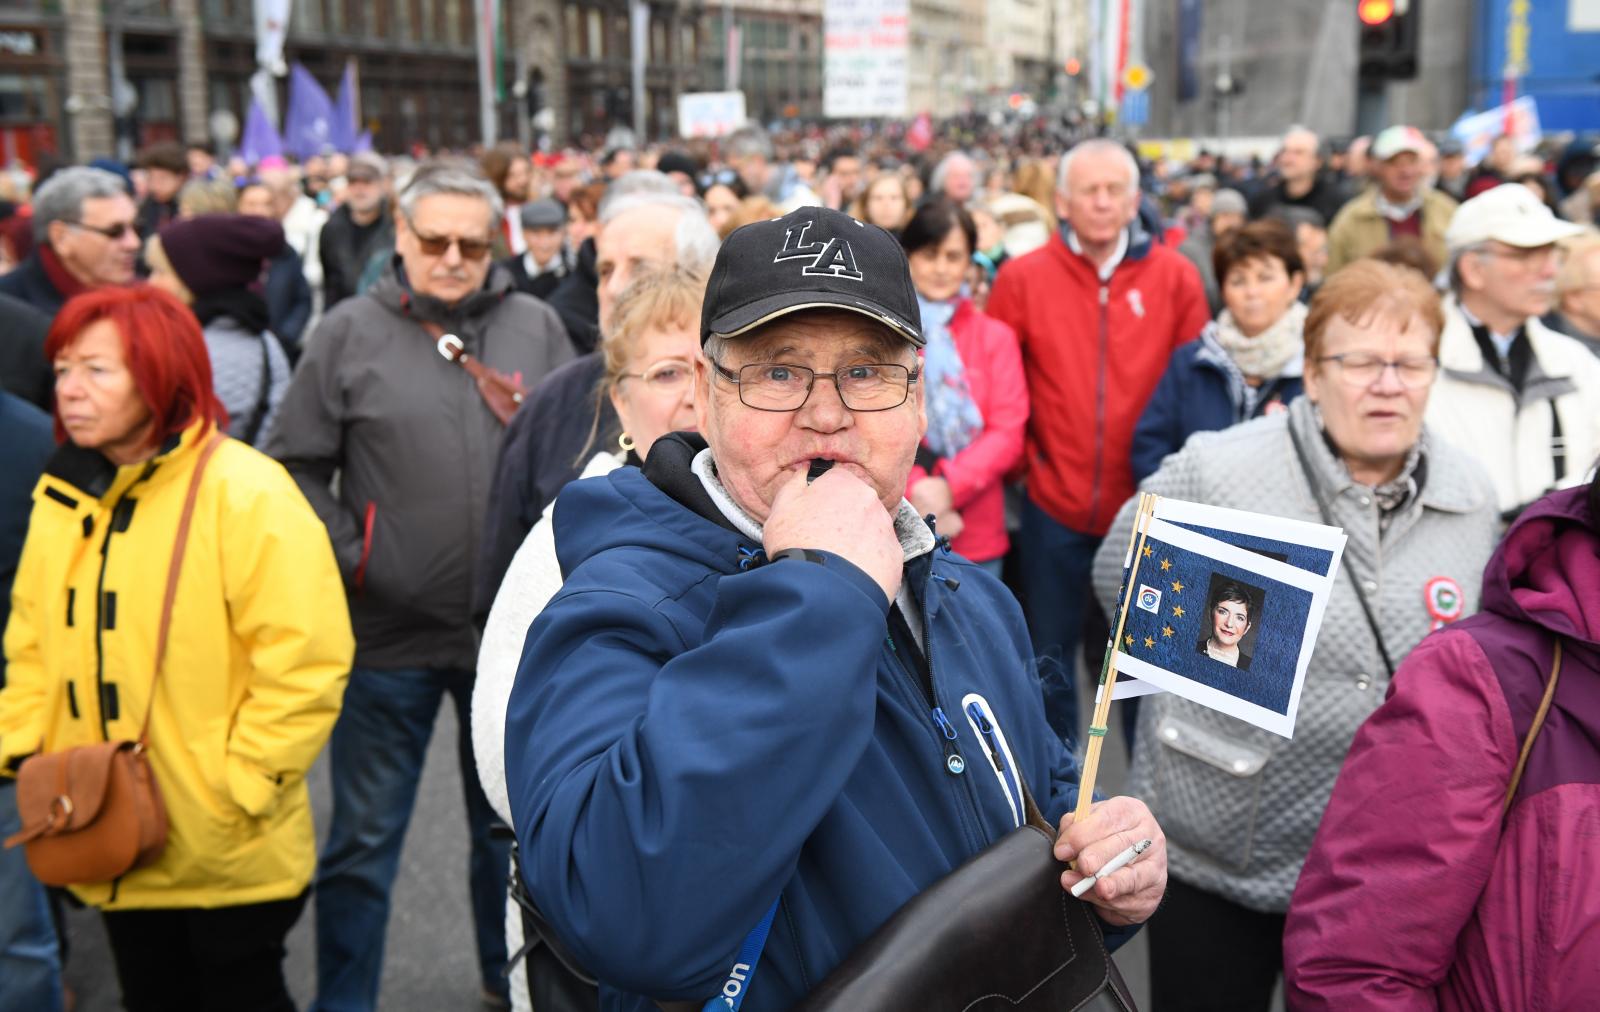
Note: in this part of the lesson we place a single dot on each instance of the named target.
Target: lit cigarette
(1114, 865)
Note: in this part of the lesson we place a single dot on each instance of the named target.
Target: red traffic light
(1375, 12)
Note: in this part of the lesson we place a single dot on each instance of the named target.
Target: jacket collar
(1135, 245)
(91, 473)
(1461, 359)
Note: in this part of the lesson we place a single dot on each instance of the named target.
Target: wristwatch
(801, 555)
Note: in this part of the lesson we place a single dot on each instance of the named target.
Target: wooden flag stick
(1108, 667)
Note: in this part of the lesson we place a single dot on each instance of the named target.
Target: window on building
(158, 99)
(597, 35)
(573, 30)
(306, 17)
(428, 21)
(688, 50)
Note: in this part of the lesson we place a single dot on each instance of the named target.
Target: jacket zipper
(100, 603)
(954, 762)
(99, 629)
(1100, 406)
(977, 711)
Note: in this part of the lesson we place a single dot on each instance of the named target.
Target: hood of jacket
(663, 508)
(1547, 569)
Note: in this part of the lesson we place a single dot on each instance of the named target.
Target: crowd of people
(749, 499)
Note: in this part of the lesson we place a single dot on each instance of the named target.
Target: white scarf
(1266, 355)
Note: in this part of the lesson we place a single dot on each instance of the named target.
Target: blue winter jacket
(686, 740)
(1193, 397)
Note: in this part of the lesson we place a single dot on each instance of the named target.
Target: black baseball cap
(812, 258)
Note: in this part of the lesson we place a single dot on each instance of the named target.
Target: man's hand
(950, 524)
(1127, 896)
(837, 513)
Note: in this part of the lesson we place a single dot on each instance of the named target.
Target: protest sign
(1227, 627)
(1219, 606)
(710, 113)
(866, 61)
(1308, 546)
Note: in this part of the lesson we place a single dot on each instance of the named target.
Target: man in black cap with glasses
(763, 683)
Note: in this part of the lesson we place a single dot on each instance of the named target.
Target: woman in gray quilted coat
(1240, 805)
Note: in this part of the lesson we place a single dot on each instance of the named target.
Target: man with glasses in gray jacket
(413, 444)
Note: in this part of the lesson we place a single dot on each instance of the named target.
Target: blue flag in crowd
(260, 140)
(308, 129)
(1184, 600)
(346, 117)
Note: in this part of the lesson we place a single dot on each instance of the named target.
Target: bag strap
(454, 349)
(1355, 584)
(1533, 732)
(179, 544)
(258, 414)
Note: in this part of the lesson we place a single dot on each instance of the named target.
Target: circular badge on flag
(1444, 600)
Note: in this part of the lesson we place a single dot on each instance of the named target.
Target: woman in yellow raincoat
(257, 655)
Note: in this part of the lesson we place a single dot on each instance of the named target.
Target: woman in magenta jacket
(1433, 884)
(974, 390)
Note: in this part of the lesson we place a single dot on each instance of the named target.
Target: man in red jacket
(1098, 311)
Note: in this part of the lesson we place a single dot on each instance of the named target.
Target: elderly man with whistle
(766, 684)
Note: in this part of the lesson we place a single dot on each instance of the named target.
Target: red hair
(164, 348)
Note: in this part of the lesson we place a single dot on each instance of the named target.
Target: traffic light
(1389, 30)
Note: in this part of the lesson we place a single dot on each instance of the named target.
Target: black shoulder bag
(998, 934)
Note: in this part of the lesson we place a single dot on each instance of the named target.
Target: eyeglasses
(668, 376)
(438, 245)
(777, 386)
(1364, 370)
(112, 232)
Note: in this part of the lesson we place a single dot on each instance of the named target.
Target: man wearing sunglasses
(414, 445)
(763, 680)
(1522, 398)
(83, 223)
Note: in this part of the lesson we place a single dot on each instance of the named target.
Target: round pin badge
(1444, 600)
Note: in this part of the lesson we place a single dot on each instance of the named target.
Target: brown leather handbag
(94, 813)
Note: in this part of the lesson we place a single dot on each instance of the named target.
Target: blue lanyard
(744, 967)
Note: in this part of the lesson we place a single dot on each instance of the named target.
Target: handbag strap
(258, 414)
(1533, 732)
(179, 544)
(1355, 584)
(454, 349)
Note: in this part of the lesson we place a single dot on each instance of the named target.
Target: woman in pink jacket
(975, 394)
(1456, 868)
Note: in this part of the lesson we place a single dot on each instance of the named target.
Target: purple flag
(347, 118)
(308, 129)
(363, 142)
(260, 140)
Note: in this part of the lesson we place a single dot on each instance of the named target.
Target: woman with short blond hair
(650, 348)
